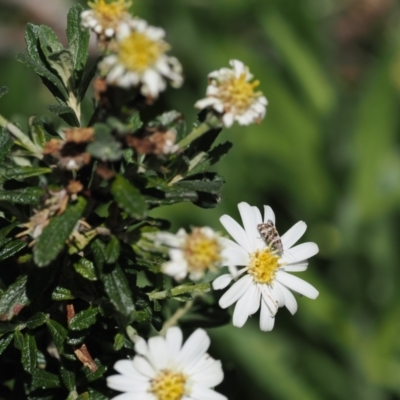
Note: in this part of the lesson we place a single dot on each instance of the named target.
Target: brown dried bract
(53, 146)
(79, 135)
(158, 142)
(74, 187)
(105, 172)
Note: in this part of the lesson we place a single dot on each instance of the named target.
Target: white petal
(141, 347)
(293, 235)
(249, 219)
(201, 393)
(153, 82)
(131, 396)
(276, 294)
(245, 305)
(222, 282)
(173, 338)
(208, 372)
(232, 253)
(236, 231)
(300, 253)
(194, 348)
(290, 300)
(177, 269)
(144, 367)
(203, 103)
(228, 119)
(236, 291)
(158, 352)
(269, 300)
(269, 215)
(126, 384)
(297, 285)
(125, 367)
(298, 267)
(266, 321)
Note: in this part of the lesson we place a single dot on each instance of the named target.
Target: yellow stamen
(112, 11)
(201, 251)
(168, 385)
(138, 52)
(238, 93)
(263, 266)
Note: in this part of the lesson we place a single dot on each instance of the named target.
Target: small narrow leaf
(52, 240)
(37, 320)
(61, 294)
(83, 319)
(92, 376)
(66, 113)
(29, 195)
(14, 299)
(5, 143)
(32, 41)
(18, 340)
(20, 173)
(112, 250)
(61, 62)
(45, 380)
(68, 378)
(48, 40)
(5, 341)
(59, 334)
(85, 268)
(119, 340)
(12, 248)
(128, 197)
(29, 353)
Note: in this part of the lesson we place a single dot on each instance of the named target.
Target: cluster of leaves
(78, 281)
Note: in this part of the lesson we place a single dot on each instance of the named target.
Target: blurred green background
(326, 153)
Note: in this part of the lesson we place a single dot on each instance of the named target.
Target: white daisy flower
(191, 253)
(104, 18)
(166, 370)
(231, 94)
(140, 59)
(264, 282)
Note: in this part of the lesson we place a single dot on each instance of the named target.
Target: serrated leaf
(66, 113)
(128, 197)
(112, 250)
(3, 91)
(58, 333)
(83, 319)
(29, 195)
(5, 143)
(25, 172)
(78, 39)
(52, 240)
(61, 294)
(48, 41)
(14, 299)
(85, 268)
(48, 76)
(11, 248)
(29, 353)
(37, 320)
(68, 378)
(45, 380)
(5, 341)
(92, 376)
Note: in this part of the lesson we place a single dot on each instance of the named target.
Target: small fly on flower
(270, 235)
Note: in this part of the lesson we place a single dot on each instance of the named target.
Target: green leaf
(29, 353)
(48, 41)
(210, 183)
(84, 396)
(52, 240)
(128, 197)
(78, 39)
(61, 294)
(84, 319)
(45, 380)
(14, 299)
(5, 341)
(3, 91)
(61, 62)
(37, 320)
(20, 173)
(86, 79)
(68, 378)
(95, 395)
(112, 250)
(32, 41)
(6, 230)
(59, 334)
(85, 268)
(5, 143)
(92, 376)
(12, 248)
(119, 341)
(18, 340)
(29, 195)
(53, 83)
(66, 113)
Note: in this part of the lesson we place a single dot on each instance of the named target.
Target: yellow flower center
(263, 266)
(112, 11)
(201, 251)
(238, 93)
(138, 52)
(168, 385)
